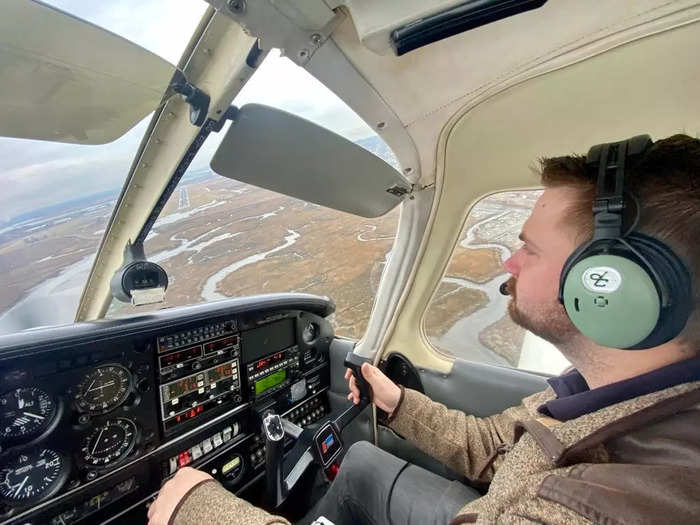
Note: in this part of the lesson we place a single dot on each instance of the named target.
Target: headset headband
(608, 162)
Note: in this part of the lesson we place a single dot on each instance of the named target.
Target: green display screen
(270, 381)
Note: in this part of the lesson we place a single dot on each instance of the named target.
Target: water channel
(462, 339)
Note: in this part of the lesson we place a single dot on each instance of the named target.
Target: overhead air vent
(455, 20)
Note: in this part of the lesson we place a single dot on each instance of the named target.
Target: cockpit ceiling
(426, 86)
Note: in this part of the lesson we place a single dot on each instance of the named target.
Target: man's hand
(172, 492)
(385, 393)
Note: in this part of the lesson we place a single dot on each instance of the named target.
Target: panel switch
(184, 459)
(196, 452)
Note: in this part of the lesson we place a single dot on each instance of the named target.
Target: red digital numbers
(220, 344)
(180, 356)
(193, 412)
(263, 363)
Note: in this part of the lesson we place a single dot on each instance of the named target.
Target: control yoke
(322, 446)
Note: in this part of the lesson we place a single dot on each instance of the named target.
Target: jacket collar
(575, 399)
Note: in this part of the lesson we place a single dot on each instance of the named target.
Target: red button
(184, 459)
(332, 471)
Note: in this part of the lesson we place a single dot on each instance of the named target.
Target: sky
(35, 174)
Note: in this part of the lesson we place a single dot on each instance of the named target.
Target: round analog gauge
(32, 476)
(110, 442)
(310, 333)
(103, 389)
(25, 413)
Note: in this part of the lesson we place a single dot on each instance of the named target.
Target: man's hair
(665, 182)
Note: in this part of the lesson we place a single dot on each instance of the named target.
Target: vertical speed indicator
(32, 476)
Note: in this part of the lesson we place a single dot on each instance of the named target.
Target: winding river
(462, 338)
(209, 292)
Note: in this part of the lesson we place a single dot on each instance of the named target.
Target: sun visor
(66, 80)
(278, 151)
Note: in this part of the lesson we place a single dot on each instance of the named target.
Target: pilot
(616, 438)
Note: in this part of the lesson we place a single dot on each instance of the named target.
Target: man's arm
(193, 497)
(469, 445)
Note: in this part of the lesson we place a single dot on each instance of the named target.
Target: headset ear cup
(611, 298)
(673, 280)
(654, 267)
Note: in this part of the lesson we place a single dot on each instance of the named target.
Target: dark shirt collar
(575, 398)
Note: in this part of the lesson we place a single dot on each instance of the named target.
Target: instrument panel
(94, 417)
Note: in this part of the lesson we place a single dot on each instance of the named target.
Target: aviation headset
(623, 289)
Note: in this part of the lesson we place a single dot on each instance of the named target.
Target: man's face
(536, 267)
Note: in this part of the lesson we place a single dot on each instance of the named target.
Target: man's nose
(511, 266)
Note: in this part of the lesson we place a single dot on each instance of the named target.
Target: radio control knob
(196, 365)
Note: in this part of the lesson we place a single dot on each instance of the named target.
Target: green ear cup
(611, 300)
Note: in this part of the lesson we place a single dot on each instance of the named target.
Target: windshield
(57, 198)
(219, 238)
(216, 237)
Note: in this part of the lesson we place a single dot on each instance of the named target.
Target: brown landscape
(27, 260)
(219, 238)
(335, 253)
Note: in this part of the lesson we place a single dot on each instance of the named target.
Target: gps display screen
(266, 383)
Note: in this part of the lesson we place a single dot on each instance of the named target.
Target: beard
(546, 320)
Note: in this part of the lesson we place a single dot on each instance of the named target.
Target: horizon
(64, 206)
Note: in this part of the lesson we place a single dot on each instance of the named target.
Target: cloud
(46, 173)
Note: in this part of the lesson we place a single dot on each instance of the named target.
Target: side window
(219, 238)
(467, 317)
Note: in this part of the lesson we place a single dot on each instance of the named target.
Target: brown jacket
(633, 462)
(637, 461)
